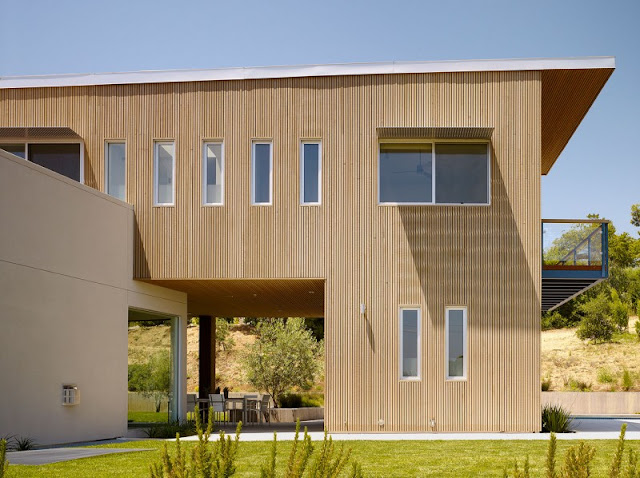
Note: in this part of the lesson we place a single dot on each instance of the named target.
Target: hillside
(572, 364)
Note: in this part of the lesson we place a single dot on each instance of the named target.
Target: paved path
(56, 455)
(586, 429)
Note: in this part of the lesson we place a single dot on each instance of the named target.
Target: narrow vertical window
(456, 342)
(262, 174)
(310, 172)
(212, 173)
(116, 170)
(164, 172)
(410, 344)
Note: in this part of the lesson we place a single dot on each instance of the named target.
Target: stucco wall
(65, 289)
(595, 403)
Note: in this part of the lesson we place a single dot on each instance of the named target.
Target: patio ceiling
(251, 297)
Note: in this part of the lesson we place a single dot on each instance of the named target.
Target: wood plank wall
(486, 258)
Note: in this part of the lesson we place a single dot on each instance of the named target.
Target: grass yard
(148, 417)
(378, 458)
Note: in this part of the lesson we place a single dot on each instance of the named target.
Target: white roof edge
(264, 72)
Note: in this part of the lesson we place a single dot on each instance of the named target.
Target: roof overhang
(569, 85)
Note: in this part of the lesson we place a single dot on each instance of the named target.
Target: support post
(207, 356)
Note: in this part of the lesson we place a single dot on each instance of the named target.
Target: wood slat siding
(485, 258)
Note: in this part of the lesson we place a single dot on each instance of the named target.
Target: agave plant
(556, 419)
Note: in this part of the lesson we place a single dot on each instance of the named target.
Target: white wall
(65, 288)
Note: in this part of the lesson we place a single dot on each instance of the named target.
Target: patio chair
(250, 408)
(216, 406)
(265, 403)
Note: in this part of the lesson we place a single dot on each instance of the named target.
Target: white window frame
(302, 201)
(253, 172)
(433, 143)
(418, 377)
(156, 144)
(465, 358)
(106, 165)
(204, 173)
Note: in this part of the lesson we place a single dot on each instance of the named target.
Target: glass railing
(578, 245)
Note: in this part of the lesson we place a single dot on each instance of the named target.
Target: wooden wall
(486, 258)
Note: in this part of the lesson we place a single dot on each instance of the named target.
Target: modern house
(399, 201)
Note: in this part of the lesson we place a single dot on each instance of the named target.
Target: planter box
(595, 403)
(291, 415)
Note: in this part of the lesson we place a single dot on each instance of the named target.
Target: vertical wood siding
(485, 258)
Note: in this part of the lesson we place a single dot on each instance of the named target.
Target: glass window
(164, 172)
(410, 343)
(406, 173)
(59, 157)
(18, 149)
(456, 342)
(116, 170)
(213, 167)
(310, 172)
(262, 173)
(462, 173)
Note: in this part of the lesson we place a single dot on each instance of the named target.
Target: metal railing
(575, 245)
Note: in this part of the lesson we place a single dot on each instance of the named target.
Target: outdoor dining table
(235, 406)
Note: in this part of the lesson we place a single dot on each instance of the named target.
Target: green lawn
(148, 417)
(378, 458)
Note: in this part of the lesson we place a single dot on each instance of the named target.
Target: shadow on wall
(474, 256)
(140, 265)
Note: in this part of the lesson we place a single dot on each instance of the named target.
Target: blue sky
(599, 171)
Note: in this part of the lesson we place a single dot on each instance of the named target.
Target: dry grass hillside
(144, 341)
(572, 364)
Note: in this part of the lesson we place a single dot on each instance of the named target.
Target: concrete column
(207, 356)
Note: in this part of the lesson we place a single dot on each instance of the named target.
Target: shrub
(223, 335)
(4, 464)
(550, 464)
(23, 443)
(638, 328)
(554, 320)
(619, 312)
(171, 429)
(596, 324)
(290, 400)
(577, 385)
(616, 464)
(627, 380)
(206, 461)
(329, 462)
(605, 376)
(577, 462)
(546, 384)
(516, 471)
(556, 419)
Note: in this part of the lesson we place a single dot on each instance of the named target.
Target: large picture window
(456, 342)
(213, 174)
(163, 173)
(63, 158)
(434, 173)
(410, 343)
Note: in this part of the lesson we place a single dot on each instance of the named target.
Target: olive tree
(284, 356)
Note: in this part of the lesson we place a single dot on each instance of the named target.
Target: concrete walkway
(601, 428)
(56, 455)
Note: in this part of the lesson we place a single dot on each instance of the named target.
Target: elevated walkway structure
(575, 257)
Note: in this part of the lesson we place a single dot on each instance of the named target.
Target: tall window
(213, 173)
(116, 170)
(456, 342)
(310, 172)
(262, 173)
(434, 173)
(410, 343)
(163, 173)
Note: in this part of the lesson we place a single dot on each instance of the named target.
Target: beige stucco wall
(595, 403)
(65, 289)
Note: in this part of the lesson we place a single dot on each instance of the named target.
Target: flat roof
(343, 69)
